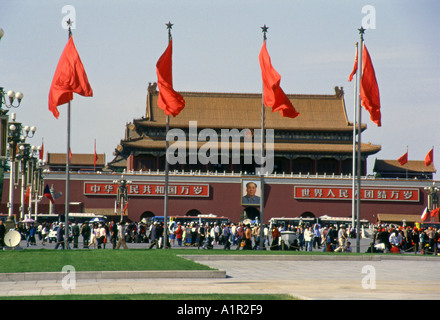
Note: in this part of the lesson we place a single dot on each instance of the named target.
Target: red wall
(225, 198)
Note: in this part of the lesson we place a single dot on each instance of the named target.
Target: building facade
(311, 176)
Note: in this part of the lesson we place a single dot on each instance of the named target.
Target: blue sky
(215, 49)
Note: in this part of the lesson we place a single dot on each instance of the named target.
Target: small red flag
(355, 67)
(27, 195)
(403, 159)
(169, 100)
(273, 95)
(435, 212)
(429, 157)
(41, 155)
(70, 155)
(369, 88)
(69, 77)
(425, 214)
(125, 208)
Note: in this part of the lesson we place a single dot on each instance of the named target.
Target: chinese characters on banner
(148, 189)
(341, 193)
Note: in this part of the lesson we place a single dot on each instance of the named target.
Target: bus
(73, 217)
(324, 221)
(293, 222)
(201, 219)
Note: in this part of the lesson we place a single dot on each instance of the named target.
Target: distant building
(79, 162)
(312, 174)
(319, 141)
(411, 170)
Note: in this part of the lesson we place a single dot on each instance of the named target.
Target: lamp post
(10, 99)
(16, 138)
(26, 157)
(122, 195)
(433, 196)
(38, 183)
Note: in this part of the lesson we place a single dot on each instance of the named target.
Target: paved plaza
(343, 277)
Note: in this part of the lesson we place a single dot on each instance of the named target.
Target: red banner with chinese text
(147, 189)
(342, 193)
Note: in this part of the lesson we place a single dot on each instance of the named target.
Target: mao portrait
(250, 193)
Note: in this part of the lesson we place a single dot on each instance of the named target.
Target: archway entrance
(193, 213)
(147, 215)
(307, 214)
(251, 213)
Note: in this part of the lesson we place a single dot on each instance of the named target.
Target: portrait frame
(248, 200)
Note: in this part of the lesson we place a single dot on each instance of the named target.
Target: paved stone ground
(401, 278)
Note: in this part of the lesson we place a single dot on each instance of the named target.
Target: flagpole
(264, 30)
(353, 191)
(358, 198)
(167, 168)
(66, 216)
(406, 167)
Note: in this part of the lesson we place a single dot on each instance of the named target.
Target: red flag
(47, 193)
(425, 214)
(125, 208)
(403, 159)
(369, 88)
(435, 212)
(355, 67)
(169, 100)
(70, 155)
(27, 195)
(41, 155)
(69, 77)
(273, 95)
(429, 157)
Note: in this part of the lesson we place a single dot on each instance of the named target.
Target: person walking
(153, 236)
(2, 233)
(100, 236)
(308, 238)
(121, 236)
(44, 233)
(226, 235)
(179, 234)
(75, 234)
(342, 239)
(60, 237)
(85, 232)
(275, 238)
(113, 230)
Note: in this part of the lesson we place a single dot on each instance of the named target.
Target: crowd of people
(331, 238)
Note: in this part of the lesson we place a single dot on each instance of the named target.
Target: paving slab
(391, 278)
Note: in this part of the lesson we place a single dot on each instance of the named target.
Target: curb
(102, 275)
(341, 257)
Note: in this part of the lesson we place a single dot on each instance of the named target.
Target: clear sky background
(215, 49)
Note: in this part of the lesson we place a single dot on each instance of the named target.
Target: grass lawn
(94, 260)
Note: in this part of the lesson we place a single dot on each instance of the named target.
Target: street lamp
(122, 195)
(9, 102)
(17, 135)
(37, 182)
(433, 196)
(25, 156)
